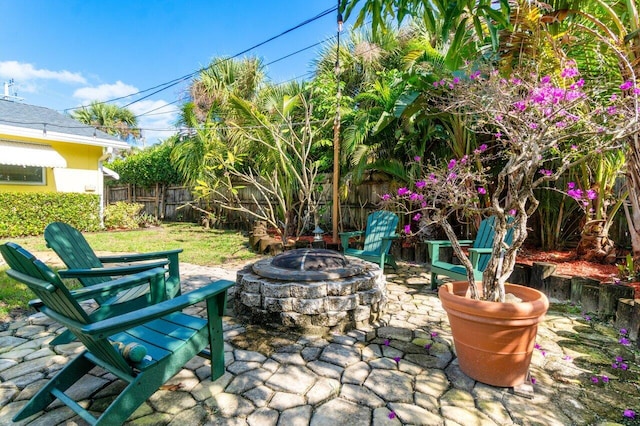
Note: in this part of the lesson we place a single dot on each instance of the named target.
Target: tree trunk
(595, 245)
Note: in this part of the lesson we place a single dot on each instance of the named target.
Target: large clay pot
(494, 341)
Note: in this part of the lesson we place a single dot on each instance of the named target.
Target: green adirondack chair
(378, 236)
(74, 250)
(479, 253)
(88, 268)
(169, 337)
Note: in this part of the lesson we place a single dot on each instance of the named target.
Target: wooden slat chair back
(479, 253)
(76, 253)
(378, 236)
(169, 337)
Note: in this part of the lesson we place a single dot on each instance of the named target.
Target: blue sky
(62, 54)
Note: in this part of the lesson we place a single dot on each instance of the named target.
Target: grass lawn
(206, 247)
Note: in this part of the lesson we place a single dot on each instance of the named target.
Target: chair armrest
(129, 320)
(447, 243)
(109, 288)
(113, 271)
(391, 237)
(112, 287)
(136, 257)
(351, 234)
(483, 250)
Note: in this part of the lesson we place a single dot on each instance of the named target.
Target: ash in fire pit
(314, 290)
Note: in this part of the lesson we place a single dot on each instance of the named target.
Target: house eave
(60, 137)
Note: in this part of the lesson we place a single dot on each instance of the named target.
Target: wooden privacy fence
(173, 203)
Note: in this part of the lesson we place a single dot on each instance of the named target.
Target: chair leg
(215, 311)
(434, 281)
(62, 381)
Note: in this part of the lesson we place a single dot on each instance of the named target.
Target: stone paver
(401, 370)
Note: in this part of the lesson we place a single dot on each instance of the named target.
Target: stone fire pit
(314, 290)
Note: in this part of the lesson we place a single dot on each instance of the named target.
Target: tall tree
(109, 118)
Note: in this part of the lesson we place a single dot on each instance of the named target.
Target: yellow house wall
(81, 174)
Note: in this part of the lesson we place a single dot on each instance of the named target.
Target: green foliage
(147, 167)
(29, 213)
(122, 215)
(628, 271)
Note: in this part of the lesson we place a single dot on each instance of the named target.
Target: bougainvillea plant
(535, 128)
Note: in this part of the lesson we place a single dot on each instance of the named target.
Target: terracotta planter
(494, 341)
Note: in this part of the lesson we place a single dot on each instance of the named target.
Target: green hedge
(24, 214)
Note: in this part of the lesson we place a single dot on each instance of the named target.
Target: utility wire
(164, 86)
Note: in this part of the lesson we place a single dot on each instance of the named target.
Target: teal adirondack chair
(479, 253)
(169, 337)
(378, 236)
(84, 265)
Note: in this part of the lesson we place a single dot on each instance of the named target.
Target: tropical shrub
(122, 215)
(24, 214)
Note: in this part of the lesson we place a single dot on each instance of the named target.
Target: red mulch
(568, 264)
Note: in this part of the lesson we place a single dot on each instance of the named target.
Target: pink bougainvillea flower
(624, 341)
(417, 158)
(417, 217)
(574, 147)
(626, 85)
(534, 381)
(386, 342)
(452, 176)
(567, 358)
(569, 72)
(543, 352)
(520, 105)
(614, 365)
(392, 415)
(594, 379)
(546, 79)
(537, 346)
(385, 197)
(612, 110)
(630, 414)
(456, 80)
(403, 191)
(619, 359)
(397, 359)
(592, 194)
(435, 84)
(571, 185)
(482, 191)
(434, 334)
(452, 164)
(533, 126)
(498, 135)
(421, 184)
(512, 212)
(587, 317)
(623, 331)
(427, 346)
(407, 229)
(605, 379)
(624, 367)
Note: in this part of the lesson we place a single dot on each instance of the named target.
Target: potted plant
(535, 128)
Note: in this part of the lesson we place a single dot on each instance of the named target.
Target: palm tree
(109, 118)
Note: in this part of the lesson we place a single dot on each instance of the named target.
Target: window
(22, 175)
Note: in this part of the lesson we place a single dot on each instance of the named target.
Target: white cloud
(27, 72)
(104, 92)
(156, 118)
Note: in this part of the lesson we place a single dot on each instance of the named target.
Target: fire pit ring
(314, 290)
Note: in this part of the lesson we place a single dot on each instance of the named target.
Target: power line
(164, 86)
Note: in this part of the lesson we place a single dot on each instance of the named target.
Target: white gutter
(61, 137)
(106, 153)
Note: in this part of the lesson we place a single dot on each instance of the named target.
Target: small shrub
(23, 214)
(145, 220)
(122, 215)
